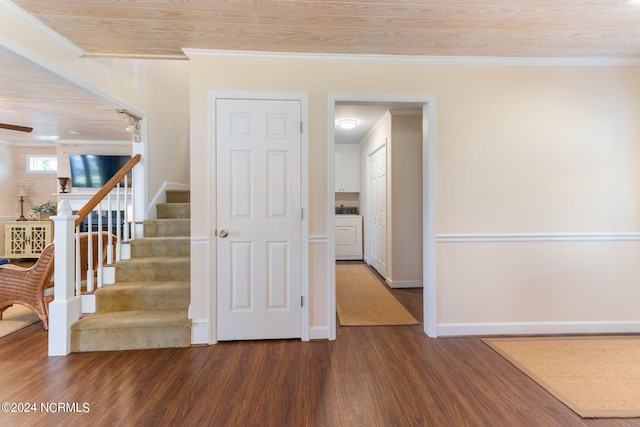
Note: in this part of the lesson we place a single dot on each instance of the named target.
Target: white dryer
(348, 234)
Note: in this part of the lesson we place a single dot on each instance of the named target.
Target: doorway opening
(424, 107)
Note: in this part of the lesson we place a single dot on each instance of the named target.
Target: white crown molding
(14, 10)
(413, 59)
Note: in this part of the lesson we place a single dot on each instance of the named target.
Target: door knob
(223, 233)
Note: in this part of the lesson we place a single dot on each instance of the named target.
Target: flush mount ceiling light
(47, 137)
(347, 123)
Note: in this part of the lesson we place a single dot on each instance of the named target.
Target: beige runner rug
(15, 318)
(362, 300)
(597, 377)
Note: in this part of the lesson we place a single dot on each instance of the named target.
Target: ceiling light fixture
(47, 137)
(347, 123)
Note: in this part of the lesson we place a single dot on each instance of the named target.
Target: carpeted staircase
(148, 305)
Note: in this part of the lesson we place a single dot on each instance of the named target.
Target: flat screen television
(93, 170)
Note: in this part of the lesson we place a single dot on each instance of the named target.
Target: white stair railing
(77, 267)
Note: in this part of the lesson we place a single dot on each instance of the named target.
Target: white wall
(8, 201)
(520, 150)
(9, 205)
(405, 201)
(40, 187)
(403, 135)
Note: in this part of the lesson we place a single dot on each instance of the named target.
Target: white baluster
(118, 227)
(100, 255)
(77, 266)
(133, 211)
(90, 284)
(110, 230)
(126, 212)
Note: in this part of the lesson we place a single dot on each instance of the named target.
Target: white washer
(348, 237)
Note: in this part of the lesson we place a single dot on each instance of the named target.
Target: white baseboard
(538, 328)
(318, 333)
(404, 283)
(200, 331)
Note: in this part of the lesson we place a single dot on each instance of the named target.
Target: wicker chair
(32, 287)
(26, 286)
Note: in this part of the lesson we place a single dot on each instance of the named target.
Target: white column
(66, 307)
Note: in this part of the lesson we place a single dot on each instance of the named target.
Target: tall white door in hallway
(258, 219)
(377, 186)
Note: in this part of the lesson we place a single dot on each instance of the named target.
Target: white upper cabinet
(347, 167)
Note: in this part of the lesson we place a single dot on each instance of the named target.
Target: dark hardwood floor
(369, 376)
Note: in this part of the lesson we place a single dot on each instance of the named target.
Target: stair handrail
(66, 306)
(106, 188)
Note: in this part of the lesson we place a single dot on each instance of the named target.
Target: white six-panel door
(259, 224)
(377, 178)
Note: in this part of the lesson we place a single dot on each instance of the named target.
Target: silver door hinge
(302, 301)
(301, 128)
(301, 213)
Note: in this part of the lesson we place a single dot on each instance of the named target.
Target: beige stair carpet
(147, 307)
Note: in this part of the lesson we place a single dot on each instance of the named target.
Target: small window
(40, 163)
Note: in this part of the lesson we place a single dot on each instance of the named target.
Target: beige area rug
(15, 318)
(597, 377)
(362, 300)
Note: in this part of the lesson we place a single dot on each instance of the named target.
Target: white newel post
(66, 307)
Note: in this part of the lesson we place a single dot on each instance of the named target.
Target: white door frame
(211, 188)
(428, 201)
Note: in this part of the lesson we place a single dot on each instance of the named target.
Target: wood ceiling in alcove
(407, 27)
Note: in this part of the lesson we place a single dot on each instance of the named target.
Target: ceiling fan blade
(16, 127)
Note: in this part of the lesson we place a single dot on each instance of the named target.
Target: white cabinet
(347, 166)
(348, 236)
(27, 239)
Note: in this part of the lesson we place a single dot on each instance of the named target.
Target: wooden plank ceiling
(54, 110)
(161, 28)
(553, 28)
